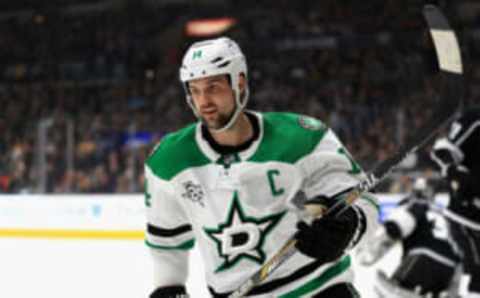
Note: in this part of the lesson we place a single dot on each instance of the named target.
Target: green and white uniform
(237, 208)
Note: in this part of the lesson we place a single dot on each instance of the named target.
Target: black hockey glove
(170, 292)
(444, 155)
(327, 238)
(393, 230)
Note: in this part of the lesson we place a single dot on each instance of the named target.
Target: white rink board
(94, 268)
(97, 269)
(97, 212)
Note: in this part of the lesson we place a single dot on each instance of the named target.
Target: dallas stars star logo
(241, 236)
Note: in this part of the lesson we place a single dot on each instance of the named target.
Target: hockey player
(458, 158)
(428, 262)
(226, 183)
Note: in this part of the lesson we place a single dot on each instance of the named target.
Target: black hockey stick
(451, 70)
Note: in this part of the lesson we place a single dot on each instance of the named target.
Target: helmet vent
(218, 59)
(224, 64)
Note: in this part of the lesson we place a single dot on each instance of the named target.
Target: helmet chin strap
(233, 118)
(239, 106)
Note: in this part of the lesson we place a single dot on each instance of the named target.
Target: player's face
(214, 99)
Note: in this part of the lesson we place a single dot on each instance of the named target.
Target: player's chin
(211, 123)
(215, 123)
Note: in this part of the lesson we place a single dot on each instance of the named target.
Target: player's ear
(242, 82)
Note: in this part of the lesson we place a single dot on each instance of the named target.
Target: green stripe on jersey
(321, 280)
(288, 137)
(176, 152)
(182, 246)
(371, 199)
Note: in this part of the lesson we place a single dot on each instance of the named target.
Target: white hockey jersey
(238, 209)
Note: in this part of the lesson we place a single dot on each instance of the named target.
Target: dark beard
(221, 121)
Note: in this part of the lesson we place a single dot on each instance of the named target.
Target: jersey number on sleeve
(440, 229)
(148, 196)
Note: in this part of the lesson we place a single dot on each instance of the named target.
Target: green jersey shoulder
(175, 152)
(287, 137)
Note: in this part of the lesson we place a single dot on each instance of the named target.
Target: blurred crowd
(85, 94)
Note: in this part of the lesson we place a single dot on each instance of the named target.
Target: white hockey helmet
(215, 57)
(422, 189)
(420, 184)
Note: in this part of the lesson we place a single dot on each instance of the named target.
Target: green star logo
(241, 236)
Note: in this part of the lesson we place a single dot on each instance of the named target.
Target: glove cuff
(170, 292)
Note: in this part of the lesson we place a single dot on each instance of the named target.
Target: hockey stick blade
(451, 71)
(448, 53)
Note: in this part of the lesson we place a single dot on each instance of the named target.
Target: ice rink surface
(103, 269)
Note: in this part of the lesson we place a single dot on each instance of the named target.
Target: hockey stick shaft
(448, 54)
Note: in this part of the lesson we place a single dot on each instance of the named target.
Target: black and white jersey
(462, 147)
(464, 134)
(422, 230)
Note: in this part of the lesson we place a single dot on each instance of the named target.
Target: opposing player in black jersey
(458, 156)
(428, 262)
